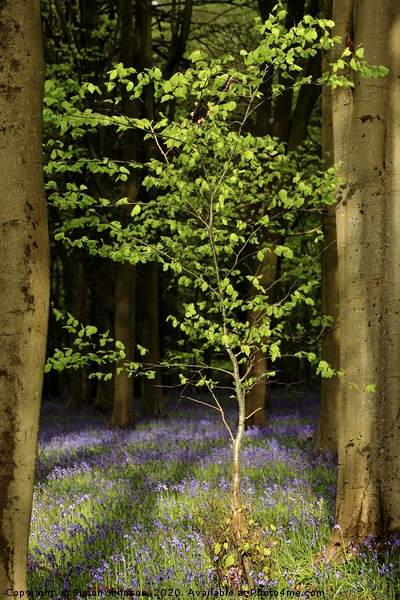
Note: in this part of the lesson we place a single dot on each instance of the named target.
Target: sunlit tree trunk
(24, 278)
(367, 141)
(327, 433)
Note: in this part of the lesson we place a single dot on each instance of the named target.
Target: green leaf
(229, 560)
(324, 369)
(136, 210)
(217, 549)
(196, 56)
(260, 255)
(274, 352)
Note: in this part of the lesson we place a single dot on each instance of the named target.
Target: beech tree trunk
(287, 120)
(125, 286)
(24, 278)
(152, 397)
(104, 307)
(327, 433)
(367, 142)
(78, 386)
(123, 411)
(257, 398)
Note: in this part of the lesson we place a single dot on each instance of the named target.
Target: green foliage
(216, 203)
(90, 347)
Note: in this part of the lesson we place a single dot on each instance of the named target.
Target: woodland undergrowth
(143, 511)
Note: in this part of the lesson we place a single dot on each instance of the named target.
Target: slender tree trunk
(152, 397)
(367, 140)
(104, 306)
(327, 433)
(77, 379)
(257, 398)
(123, 413)
(125, 287)
(290, 125)
(24, 278)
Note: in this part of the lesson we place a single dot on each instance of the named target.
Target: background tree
(24, 278)
(328, 425)
(287, 116)
(367, 136)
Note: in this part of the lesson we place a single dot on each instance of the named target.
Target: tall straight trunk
(125, 285)
(152, 397)
(104, 307)
(327, 433)
(288, 120)
(123, 413)
(258, 396)
(367, 141)
(152, 400)
(77, 379)
(24, 278)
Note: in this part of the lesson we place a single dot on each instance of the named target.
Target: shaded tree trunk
(24, 278)
(123, 413)
(104, 306)
(327, 433)
(77, 379)
(152, 400)
(125, 286)
(367, 139)
(257, 398)
(288, 120)
(152, 397)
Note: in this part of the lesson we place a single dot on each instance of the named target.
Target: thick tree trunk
(24, 278)
(327, 433)
(367, 140)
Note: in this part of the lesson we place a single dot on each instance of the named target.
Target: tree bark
(104, 310)
(123, 413)
(258, 396)
(78, 389)
(278, 118)
(327, 433)
(152, 397)
(24, 278)
(125, 287)
(152, 400)
(367, 139)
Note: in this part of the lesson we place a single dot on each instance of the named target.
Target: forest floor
(143, 512)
